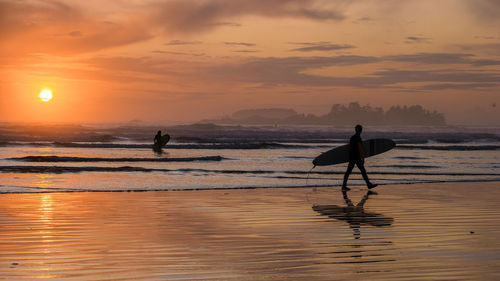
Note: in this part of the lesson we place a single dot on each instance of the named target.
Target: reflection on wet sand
(259, 234)
(158, 151)
(354, 215)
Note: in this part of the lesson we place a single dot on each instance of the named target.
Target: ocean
(120, 158)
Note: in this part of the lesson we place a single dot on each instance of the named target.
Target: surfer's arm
(361, 153)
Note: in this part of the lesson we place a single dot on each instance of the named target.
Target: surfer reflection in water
(355, 215)
(356, 157)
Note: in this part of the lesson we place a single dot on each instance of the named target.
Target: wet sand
(448, 231)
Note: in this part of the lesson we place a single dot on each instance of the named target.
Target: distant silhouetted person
(356, 157)
(157, 141)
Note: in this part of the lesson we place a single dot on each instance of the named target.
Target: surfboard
(164, 139)
(340, 154)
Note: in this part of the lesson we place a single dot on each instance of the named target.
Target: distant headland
(339, 115)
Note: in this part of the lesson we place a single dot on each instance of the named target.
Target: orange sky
(182, 61)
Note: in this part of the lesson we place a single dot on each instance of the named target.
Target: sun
(45, 95)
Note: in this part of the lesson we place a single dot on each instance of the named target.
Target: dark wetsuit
(157, 140)
(354, 154)
(355, 159)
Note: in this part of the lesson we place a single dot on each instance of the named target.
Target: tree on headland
(354, 113)
(414, 114)
(339, 114)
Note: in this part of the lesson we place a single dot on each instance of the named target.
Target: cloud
(279, 71)
(485, 62)
(416, 39)
(393, 76)
(293, 71)
(484, 10)
(486, 37)
(252, 70)
(363, 20)
(72, 27)
(442, 58)
(457, 86)
(178, 53)
(180, 42)
(145, 65)
(58, 28)
(240, 44)
(231, 24)
(432, 58)
(180, 16)
(23, 17)
(246, 51)
(492, 49)
(75, 33)
(321, 46)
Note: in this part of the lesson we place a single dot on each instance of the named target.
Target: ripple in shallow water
(438, 231)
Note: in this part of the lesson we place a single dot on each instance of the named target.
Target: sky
(171, 61)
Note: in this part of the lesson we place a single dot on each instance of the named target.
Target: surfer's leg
(361, 167)
(363, 172)
(350, 166)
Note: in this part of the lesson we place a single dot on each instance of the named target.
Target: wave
(409, 158)
(251, 145)
(408, 166)
(70, 169)
(62, 169)
(450, 147)
(258, 145)
(92, 159)
(36, 189)
(296, 157)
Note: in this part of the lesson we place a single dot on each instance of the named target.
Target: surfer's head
(358, 129)
(159, 133)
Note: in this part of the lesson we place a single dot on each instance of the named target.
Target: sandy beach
(447, 231)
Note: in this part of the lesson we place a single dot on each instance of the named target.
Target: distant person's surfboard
(341, 154)
(164, 139)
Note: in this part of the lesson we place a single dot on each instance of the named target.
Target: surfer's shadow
(354, 214)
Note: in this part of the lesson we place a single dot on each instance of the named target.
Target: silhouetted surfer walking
(157, 140)
(356, 156)
(160, 141)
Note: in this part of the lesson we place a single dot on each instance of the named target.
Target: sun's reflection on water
(46, 212)
(45, 227)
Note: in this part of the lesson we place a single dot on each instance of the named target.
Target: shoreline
(355, 186)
